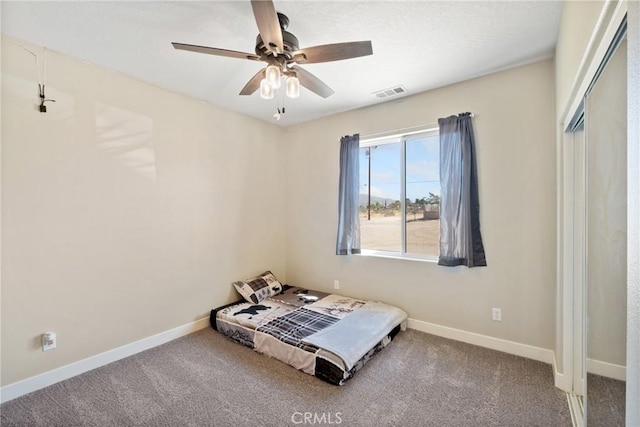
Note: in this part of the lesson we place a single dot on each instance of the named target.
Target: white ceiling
(419, 44)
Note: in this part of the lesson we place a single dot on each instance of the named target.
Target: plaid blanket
(296, 325)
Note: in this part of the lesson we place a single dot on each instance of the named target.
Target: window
(400, 194)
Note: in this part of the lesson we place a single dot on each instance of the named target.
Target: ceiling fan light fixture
(272, 75)
(266, 90)
(293, 87)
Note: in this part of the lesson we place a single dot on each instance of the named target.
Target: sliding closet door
(606, 228)
(579, 258)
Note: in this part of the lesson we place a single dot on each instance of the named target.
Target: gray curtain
(460, 238)
(348, 222)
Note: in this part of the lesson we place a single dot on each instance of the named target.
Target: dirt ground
(383, 233)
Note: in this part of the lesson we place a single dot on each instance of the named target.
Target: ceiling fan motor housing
(289, 41)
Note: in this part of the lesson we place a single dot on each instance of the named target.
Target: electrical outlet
(48, 341)
(336, 284)
(496, 314)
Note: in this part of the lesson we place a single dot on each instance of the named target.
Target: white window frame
(402, 138)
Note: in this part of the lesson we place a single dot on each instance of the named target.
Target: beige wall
(515, 130)
(127, 210)
(579, 19)
(123, 215)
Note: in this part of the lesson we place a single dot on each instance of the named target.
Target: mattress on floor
(326, 335)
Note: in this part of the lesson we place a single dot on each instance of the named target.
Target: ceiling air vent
(390, 92)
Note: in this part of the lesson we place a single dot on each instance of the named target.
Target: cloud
(423, 170)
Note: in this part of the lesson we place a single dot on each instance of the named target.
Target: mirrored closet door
(605, 275)
(595, 237)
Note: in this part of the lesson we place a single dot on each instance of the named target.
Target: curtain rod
(415, 129)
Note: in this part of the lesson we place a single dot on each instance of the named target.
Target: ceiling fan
(279, 49)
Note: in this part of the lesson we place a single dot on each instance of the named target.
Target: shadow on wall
(127, 137)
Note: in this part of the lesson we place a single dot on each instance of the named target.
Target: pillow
(258, 288)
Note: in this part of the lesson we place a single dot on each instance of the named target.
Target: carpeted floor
(605, 401)
(204, 379)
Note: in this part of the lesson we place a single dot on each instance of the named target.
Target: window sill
(396, 255)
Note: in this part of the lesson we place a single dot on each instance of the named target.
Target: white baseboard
(609, 370)
(20, 388)
(518, 349)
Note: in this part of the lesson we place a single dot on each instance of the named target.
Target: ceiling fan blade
(332, 52)
(268, 24)
(312, 83)
(253, 84)
(215, 51)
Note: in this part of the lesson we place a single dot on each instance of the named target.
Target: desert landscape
(382, 232)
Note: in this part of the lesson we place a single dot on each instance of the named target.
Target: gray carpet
(605, 401)
(204, 379)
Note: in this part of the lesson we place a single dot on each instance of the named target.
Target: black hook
(43, 108)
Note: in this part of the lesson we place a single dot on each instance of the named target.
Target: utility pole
(369, 189)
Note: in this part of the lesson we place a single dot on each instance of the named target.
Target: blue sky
(422, 169)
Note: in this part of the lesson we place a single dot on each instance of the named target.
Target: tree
(433, 199)
(413, 208)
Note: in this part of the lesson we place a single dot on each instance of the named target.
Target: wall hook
(43, 108)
